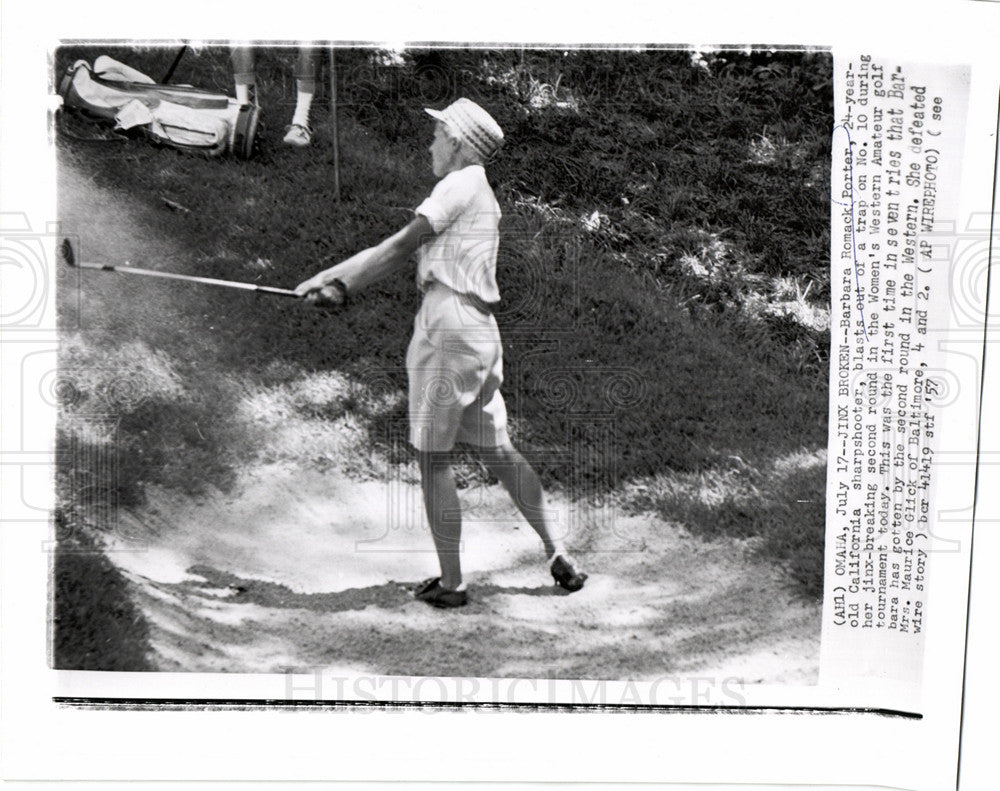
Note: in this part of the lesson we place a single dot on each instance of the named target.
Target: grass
(95, 624)
(779, 507)
(664, 266)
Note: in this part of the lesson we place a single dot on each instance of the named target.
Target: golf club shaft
(208, 281)
(173, 66)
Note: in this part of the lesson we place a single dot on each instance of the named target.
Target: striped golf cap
(473, 125)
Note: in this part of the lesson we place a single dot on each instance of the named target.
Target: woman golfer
(454, 361)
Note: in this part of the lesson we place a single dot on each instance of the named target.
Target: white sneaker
(298, 136)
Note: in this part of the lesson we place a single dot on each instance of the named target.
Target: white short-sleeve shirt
(465, 215)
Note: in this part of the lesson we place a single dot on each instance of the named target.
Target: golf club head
(66, 253)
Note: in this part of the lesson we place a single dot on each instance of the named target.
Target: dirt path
(297, 568)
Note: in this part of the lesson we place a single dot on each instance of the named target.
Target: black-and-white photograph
(608, 384)
(498, 362)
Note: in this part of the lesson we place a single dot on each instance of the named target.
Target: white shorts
(455, 366)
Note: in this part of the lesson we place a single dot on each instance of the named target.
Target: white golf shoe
(298, 136)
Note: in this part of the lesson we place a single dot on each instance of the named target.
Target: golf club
(69, 256)
(174, 64)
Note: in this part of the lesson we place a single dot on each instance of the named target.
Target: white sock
(303, 103)
(243, 93)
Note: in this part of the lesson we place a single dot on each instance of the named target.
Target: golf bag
(176, 115)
